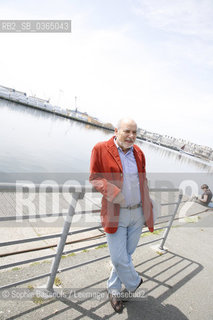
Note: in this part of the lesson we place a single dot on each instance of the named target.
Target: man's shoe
(116, 303)
(126, 295)
(139, 285)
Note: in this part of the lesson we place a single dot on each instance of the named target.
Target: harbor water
(35, 143)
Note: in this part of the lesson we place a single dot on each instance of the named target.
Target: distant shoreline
(184, 147)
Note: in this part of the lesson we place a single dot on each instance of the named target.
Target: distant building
(77, 114)
(12, 90)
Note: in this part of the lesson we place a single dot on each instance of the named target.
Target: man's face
(126, 134)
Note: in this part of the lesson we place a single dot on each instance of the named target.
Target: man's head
(204, 186)
(126, 133)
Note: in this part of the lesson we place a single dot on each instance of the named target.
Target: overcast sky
(149, 59)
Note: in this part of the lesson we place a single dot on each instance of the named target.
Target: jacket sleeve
(99, 179)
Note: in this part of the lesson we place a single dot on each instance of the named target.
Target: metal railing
(78, 192)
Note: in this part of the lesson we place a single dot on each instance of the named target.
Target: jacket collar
(138, 159)
(113, 150)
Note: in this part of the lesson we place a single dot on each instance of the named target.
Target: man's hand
(119, 199)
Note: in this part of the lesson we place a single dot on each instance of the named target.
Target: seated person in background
(206, 197)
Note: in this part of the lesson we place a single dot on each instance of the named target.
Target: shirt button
(121, 174)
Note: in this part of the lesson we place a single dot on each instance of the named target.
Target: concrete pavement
(177, 285)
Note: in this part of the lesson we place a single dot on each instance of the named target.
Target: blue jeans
(121, 245)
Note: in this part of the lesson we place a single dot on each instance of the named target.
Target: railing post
(62, 241)
(165, 235)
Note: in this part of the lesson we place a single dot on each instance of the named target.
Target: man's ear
(116, 131)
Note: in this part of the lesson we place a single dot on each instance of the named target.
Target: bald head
(126, 121)
(126, 133)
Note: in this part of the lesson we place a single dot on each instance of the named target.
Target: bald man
(117, 170)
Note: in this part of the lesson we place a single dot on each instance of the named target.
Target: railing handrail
(78, 193)
(36, 187)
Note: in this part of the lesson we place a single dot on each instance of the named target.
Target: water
(33, 141)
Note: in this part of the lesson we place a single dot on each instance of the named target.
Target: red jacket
(106, 175)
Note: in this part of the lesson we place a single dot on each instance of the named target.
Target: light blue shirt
(131, 185)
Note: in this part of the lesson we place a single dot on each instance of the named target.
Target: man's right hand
(119, 199)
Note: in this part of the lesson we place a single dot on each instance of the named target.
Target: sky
(151, 60)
